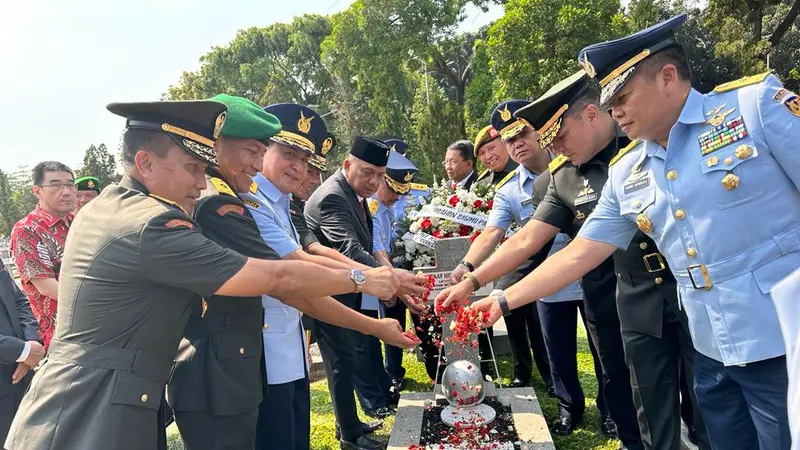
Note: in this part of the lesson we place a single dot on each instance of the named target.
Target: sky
(62, 61)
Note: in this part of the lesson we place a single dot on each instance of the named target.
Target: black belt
(112, 358)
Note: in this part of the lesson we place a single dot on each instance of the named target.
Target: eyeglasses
(60, 186)
(450, 162)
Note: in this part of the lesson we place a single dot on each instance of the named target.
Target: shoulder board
(622, 152)
(373, 206)
(741, 82)
(251, 203)
(483, 174)
(506, 179)
(222, 187)
(556, 163)
(419, 187)
(168, 202)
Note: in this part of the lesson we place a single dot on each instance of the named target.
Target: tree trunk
(785, 24)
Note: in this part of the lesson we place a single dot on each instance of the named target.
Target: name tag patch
(585, 198)
(635, 185)
(527, 202)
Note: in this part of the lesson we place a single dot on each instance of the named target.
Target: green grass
(587, 437)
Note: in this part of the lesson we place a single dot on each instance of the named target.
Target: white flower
(414, 228)
(435, 221)
(436, 201)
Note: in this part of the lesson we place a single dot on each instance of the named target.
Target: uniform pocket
(133, 390)
(732, 175)
(237, 344)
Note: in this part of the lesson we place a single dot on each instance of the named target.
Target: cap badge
(327, 145)
(394, 148)
(408, 177)
(588, 67)
(304, 123)
(90, 183)
(219, 124)
(505, 114)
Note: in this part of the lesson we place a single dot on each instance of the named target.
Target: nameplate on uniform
(634, 186)
(586, 198)
(527, 202)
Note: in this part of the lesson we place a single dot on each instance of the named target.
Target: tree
(21, 183)
(536, 43)
(99, 163)
(8, 211)
(479, 98)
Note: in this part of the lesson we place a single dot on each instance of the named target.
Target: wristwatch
(358, 277)
(501, 301)
(468, 265)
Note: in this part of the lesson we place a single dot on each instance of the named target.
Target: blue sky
(62, 61)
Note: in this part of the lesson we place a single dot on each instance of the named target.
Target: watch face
(358, 276)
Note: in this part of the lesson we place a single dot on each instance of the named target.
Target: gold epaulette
(741, 82)
(506, 179)
(222, 187)
(556, 163)
(419, 187)
(482, 174)
(622, 152)
(373, 206)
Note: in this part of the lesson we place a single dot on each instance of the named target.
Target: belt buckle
(706, 278)
(659, 260)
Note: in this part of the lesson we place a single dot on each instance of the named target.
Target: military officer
(655, 332)
(557, 314)
(88, 189)
(706, 167)
(129, 283)
(570, 194)
(491, 152)
(415, 191)
(397, 184)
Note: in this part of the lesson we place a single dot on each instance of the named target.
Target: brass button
(680, 214)
(713, 161)
(145, 397)
(691, 253)
(728, 161)
(672, 175)
(619, 275)
(637, 204)
(266, 325)
(643, 245)
(241, 350)
(659, 280)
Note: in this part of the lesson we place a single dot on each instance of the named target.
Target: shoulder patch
(373, 206)
(251, 203)
(556, 163)
(179, 223)
(419, 187)
(741, 82)
(506, 179)
(225, 209)
(483, 174)
(222, 187)
(625, 150)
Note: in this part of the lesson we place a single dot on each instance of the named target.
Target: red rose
(438, 234)
(453, 200)
(478, 203)
(426, 224)
(463, 230)
(489, 204)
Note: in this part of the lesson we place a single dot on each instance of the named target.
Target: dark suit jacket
(334, 215)
(17, 325)
(473, 176)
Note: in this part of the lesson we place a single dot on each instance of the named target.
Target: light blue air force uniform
(512, 203)
(728, 221)
(284, 342)
(408, 201)
(382, 236)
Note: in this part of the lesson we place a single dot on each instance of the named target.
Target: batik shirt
(37, 243)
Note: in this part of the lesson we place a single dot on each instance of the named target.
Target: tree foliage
(99, 163)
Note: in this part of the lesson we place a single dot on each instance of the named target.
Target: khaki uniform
(129, 282)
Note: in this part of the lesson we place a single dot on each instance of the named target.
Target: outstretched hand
(390, 332)
(490, 307)
(458, 292)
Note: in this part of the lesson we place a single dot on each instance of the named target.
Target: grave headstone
(448, 253)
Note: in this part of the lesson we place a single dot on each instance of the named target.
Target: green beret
(88, 184)
(247, 120)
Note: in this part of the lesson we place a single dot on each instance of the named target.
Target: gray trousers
(201, 430)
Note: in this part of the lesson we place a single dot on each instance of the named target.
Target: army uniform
(489, 177)
(129, 283)
(729, 169)
(216, 387)
(571, 196)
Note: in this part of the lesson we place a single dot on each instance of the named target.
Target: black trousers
(338, 357)
(371, 382)
(559, 325)
(525, 336)
(394, 355)
(602, 323)
(284, 417)
(655, 365)
(201, 430)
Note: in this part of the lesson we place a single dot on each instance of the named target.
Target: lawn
(587, 437)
